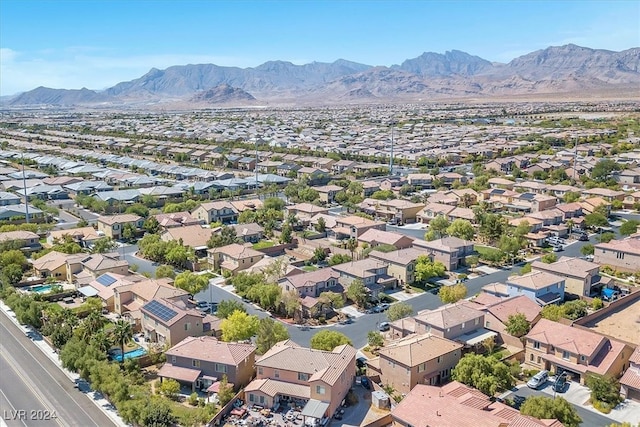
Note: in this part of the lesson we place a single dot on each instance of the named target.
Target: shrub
(193, 399)
(597, 304)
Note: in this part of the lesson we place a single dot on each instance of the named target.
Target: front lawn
(263, 244)
(486, 251)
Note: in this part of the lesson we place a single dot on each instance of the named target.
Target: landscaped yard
(263, 244)
(484, 251)
(309, 268)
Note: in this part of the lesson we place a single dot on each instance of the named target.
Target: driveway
(356, 414)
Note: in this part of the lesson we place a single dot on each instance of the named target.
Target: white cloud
(84, 66)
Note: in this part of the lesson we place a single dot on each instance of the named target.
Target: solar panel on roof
(106, 280)
(527, 196)
(159, 310)
(498, 191)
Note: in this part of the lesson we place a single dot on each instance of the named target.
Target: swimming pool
(130, 354)
(41, 289)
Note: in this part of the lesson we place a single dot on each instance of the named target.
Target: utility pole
(24, 186)
(575, 159)
(391, 156)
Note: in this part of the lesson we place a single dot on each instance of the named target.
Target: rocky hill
(454, 74)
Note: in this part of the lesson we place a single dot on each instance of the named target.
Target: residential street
(30, 381)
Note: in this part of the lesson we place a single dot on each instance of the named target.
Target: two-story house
(539, 286)
(352, 227)
(401, 264)
(176, 219)
(168, 321)
(112, 226)
(396, 210)
(209, 212)
(420, 181)
(305, 211)
(576, 351)
(327, 193)
(373, 273)
(129, 298)
(312, 283)
(630, 381)
(315, 380)
(416, 359)
(249, 233)
(201, 362)
(582, 277)
(84, 236)
(451, 251)
(623, 255)
(233, 258)
(27, 241)
(375, 237)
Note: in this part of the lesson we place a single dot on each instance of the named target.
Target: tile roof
(237, 251)
(568, 267)
(119, 219)
(212, 350)
(313, 277)
(534, 280)
(519, 304)
(574, 340)
(629, 246)
(416, 349)
(447, 316)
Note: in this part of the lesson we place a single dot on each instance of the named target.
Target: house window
(462, 325)
(565, 355)
(422, 367)
(536, 345)
(173, 359)
(276, 373)
(303, 377)
(260, 370)
(583, 358)
(320, 389)
(487, 324)
(221, 368)
(439, 359)
(476, 322)
(187, 326)
(195, 363)
(252, 398)
(531, 357)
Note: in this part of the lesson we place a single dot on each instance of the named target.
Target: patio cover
(476, 337)
(178, 373)
(315, 409)
(549, 298)
(88, 291)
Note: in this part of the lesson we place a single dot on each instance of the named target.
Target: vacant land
(624, 324)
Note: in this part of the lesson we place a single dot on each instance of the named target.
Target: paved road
(144, 266)
(32, 383)
(589, 418)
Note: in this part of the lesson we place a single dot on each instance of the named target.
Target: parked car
(384, 306)
(583, 237)
(538, 380)
(365, 383)
(558, 248)
(384, 326)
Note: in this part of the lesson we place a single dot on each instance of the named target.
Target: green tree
(571, 196)
(604, 389)
(549, 258)
(228, 307)
(426, 269)
(606, 237)
(338, 259)
(595, 219)
(103, 245)
(122, 333)
(492, 226)
(603, 169)
(225, 391)
(629, 227)
(399, 310)
(239, 326)
(275, 203)
(328, 340)
(12, 273)
(321, 225)
(438, 226)
(596, 304)
(357, 293)
(269, 333)
(543, 407)
(451, 294)
(487, 374)
(165, 271)
(332, 299)
(587, 249)
(129, 232)
(462, 229)
(191, 282)
(375, 339)
(510, 246)
(286, 235)
(525, 269)
(13, 257)
(226, 236)
(518, 325)
(151, 225)
(156, 413)
(351, 246)
(170, 388)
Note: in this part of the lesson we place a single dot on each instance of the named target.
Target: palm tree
(102, 340)
(570, 225)
(122, 333)
(91, 325)
(352, 245)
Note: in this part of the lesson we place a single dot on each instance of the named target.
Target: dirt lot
(625, 324)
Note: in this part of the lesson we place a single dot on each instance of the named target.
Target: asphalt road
(34, 391)
(589, 418)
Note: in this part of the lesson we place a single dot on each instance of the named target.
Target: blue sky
(95, 44)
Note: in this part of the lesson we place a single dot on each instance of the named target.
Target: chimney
(438, 413)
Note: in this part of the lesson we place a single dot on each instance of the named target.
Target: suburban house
(305, 211)
(7, 199)
(373, 273)
(168, 321)
(84, 236)
(451, 251)
(401, 264)
(104, 285)
(249, 233)
(52, 264)
(576, 351)
(352, 227)
(201, 362)
(582, 277)
(327, 193)
(539, 286)
(623, 255)
(432, 210)
(375, 237)
(416, 359)
(316, 380)
(209, 212)
(458, 405)
(312, 283)
(457, 322)
(27, 241)
(396, 210)
(83, 268)
(176, 219)
(630, 381)
(233, 258)
(420, 181)
(194, 236)
(112, 226)
(131, 297)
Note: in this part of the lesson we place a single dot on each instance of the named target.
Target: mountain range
(430, 76)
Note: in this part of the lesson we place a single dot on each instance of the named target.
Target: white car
(538, 380)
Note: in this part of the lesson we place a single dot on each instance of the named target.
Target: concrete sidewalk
(94, 396)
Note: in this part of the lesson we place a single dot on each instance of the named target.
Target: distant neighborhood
(282, 267)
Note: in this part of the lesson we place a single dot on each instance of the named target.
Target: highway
(34, 391)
